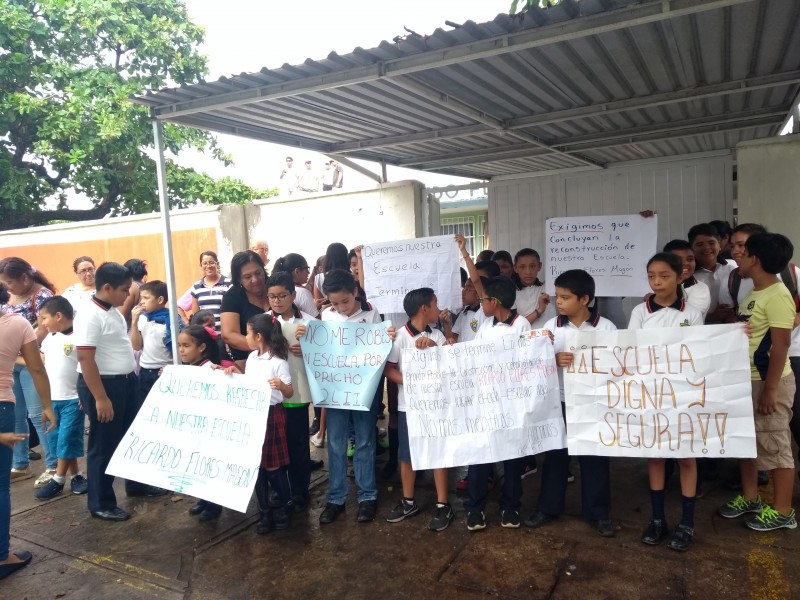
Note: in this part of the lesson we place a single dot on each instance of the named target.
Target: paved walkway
(162, 552)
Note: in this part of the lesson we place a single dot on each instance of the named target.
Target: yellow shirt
(764, 309)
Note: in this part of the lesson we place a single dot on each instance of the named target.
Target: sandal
(9, 568)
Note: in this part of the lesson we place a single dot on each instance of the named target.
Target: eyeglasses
(490, 298)
(209, 264)
(85, 271)
(278, 297)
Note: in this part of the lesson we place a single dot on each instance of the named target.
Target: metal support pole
(166, 235)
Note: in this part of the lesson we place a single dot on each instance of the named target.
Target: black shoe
(367, 510)
(147, 491)
(681, 538)
(315, 465)
(265, 525)
(604, 527)
(112, 514)
(314, 428)
(655, 532)
(538, 519)
(34, 455)
(331, 513)
(210, 512)
(300, 503)
(281, 518)
(389, 469)
(198, 507)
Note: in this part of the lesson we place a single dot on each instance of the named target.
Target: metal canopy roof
(579, 85)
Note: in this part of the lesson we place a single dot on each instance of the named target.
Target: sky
(245, 35)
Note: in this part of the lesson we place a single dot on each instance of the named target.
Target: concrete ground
(162, 552)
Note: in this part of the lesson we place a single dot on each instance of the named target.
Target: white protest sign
(392, 269)
(679, 392)
(297, 369)
(612, 249)
(199, 432)
(482, 401)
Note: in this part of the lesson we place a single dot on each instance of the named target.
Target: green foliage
(67, 69)
(528, 4)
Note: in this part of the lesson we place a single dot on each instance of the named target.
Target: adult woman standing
(246, 298)
(79, 292)
(16, 338)
(27, 289)
(208, 292)
(138, 270)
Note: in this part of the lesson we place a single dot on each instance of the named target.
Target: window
(471, 227)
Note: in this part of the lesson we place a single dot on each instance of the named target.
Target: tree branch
(39, 169)
(20, 220)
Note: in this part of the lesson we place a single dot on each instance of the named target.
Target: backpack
(788, 276)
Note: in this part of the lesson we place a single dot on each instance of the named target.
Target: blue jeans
(364, 458)
(6, 426)
(28, 404)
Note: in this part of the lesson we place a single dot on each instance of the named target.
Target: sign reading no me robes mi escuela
(482, 401)
(679, 392)
(344, 362)
(392, 269)
(199, 432)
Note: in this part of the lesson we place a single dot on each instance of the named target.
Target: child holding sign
(532, 301)
(422, 310)
(667, 308)
(574, 294)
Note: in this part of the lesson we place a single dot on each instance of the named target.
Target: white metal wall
(684, 192)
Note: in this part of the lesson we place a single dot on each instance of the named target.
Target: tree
(528, 4)
(67, 69)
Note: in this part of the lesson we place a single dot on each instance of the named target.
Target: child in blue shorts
(61, 363)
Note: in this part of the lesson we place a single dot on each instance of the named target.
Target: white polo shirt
(649, 315)
(360, 316)
(491, 328)
(102, 328)
(406, 338)
(527, 301)
(304, 300)
(298, 316)
(714, 280)
(697, 294)
(266, 367)
(467, 323)
(61, 364)
(154, 353)
(561, 325)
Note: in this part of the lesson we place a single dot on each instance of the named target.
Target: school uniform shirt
(209, 297)
(560, 327)
(406, 338)
(527, 301)
(715, 280)
(265, 367)
(102, 328)
(154, 353)
(745, 285)
(61, 364)
(649, 315)
(697, 294)
(770, 307)
(467, 323)
(360, 316)
(492, 329)
(304, 300)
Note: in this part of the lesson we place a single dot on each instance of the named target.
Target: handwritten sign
(199, 432)
(344, 362)
(392, 269)
(678, 392)
(482, 401)
(612, 249)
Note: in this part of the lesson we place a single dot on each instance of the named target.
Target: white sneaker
(44, 478)
(317, 439)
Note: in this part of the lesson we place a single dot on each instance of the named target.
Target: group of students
(91, 364)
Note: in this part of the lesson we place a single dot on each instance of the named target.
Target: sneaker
(529, 470)
(43, 479)
(21, 474)
(476, 521)
(462, 485)
(442, 516)
(402, 511)
(51, 489)
(318, 440)
(79, 485)
(351, 448)
(769, 519)
(510, 519)
(739, 506)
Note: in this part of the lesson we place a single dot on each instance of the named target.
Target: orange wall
(55, 260)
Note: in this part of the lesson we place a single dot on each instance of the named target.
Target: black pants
(299, 451)
(595, 484)
(105, 437)
(477, 480)
(147, 378)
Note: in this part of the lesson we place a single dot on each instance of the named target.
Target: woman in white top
(82, 291)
